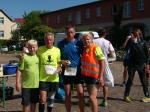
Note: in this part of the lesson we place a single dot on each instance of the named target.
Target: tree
(32, 27)
(39, 31)
(116, 29)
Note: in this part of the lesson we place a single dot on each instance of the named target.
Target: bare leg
(80, 93)
(33, 107)
(105, 92)
(68, 97)
(43, 98)
(92, 90)
(26, 108)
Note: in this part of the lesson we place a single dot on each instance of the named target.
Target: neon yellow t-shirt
(30, 71)
(48, 56)
(99, 54)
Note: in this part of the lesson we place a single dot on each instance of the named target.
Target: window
(87, 13)
(78, 17)
(1, 20)
(1, 33)
(140, 4)
(98, 11)
(70, 17)
(58, 19)
(114, 9)
(127, 9)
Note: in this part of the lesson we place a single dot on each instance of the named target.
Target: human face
(32, 49)
(87, 40)
(70, 34)
(49, 40)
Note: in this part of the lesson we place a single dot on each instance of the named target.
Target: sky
(17, 8)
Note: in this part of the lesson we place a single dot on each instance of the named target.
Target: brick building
(100, 14)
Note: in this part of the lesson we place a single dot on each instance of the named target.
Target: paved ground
(116, 103)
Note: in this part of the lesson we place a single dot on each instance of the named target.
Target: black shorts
(30, 95)
(125, 62)
(78, 79)
(90, 80)
(72, 80)
(48, 86)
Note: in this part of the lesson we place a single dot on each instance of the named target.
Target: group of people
(78, 62)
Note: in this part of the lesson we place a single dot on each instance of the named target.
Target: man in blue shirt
(70, 52)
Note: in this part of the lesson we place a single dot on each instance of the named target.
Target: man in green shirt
(49, 57)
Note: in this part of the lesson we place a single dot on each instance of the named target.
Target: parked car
(78, 35)
(4, 49)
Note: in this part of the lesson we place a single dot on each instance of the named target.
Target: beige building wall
(7, 26)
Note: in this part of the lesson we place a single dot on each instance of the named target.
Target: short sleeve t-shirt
(71, 51)
(30, 71)
(48, 56)
(105, 45)
(99, 54)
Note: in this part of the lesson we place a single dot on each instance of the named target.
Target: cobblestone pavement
(116, 103)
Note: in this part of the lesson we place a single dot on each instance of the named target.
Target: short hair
(68, 27)
(49, 34)
(32, 42)
(88, 34)
(101, 32)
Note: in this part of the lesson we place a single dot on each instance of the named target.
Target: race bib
(50, 70)
(70, 71)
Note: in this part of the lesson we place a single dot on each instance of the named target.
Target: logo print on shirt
(49, 58)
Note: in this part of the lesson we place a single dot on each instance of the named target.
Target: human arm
(101, 60)
(18, 75)
(126, 41)
(112, 54)
(18, 80)
(102, 71)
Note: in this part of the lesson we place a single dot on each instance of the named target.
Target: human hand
(66, 62)
(59, 70)
(18, 87)
(101, 82)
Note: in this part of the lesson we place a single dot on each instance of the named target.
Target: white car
(4, 49)
(61, 36)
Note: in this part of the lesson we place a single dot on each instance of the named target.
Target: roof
(6, 15)
(19, 20)
(73, 7)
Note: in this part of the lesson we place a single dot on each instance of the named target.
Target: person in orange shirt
(92, 68)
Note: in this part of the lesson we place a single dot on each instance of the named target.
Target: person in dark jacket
(138, 61)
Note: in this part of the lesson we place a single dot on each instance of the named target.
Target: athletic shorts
(30, 95)
(78, 79)
(48, 86)
(125, 62)
(90, 80)
(72, 80)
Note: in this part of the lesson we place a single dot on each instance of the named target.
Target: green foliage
(16, 35)
(117, 33)
(39, 31)
(3, 42)
(32, 28)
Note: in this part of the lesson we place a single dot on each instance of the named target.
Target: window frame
(1, 20)
(98, 11)
(140, 5)
(1, 33)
